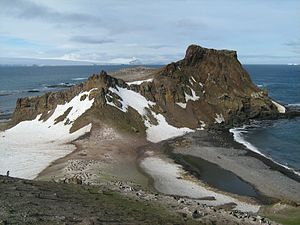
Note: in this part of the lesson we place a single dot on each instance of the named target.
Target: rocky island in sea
(146, 141)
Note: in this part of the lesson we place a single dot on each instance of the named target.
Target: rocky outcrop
(29, 107)
(206, 87)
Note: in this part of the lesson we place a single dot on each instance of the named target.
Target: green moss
(289, 215)
(36, 202)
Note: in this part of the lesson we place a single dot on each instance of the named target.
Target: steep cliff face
(208, 85)
(207, 88)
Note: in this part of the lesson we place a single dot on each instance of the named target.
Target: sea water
(22, 81)
(279, 139)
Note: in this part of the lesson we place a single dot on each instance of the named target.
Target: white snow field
(30, 146)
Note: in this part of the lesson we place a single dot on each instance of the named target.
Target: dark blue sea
(279, 140)
(21, 81)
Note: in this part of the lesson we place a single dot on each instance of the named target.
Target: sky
(153, 32)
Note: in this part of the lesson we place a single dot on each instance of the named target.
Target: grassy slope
(287, 215)
(36, 202)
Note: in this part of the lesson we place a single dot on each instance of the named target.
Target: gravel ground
(235, 158)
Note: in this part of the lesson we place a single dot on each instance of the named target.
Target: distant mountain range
(5, 61)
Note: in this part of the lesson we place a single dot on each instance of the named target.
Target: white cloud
(151, 31)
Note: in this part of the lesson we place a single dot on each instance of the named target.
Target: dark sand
(254, 175)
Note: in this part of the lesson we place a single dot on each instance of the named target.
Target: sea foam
(239, 137)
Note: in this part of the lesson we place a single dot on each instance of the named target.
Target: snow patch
(202, 126)
(133, 99)
(30, 146)
(280, 108)
(182, 105)
(155, 133)
(219, 118)
(192, 97)
(188, 97)
(192, 80)
(165, 175)
(163, 131)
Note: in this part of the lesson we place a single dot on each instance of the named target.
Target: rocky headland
(119, 138)
(206, 87)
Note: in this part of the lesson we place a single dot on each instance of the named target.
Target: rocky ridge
(207, 88)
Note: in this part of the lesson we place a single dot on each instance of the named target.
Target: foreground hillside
(34, 202)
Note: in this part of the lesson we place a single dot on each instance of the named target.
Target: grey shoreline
(272, 182)
(268, 161)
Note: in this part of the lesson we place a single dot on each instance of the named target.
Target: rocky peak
(29, 107)
(103, 80)
(194, 54)
(207, 87)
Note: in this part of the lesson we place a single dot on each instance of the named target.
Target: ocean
(278, 140)
(22, 81)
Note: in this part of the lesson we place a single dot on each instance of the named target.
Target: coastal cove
(175, 112)
(208, 155)
(122, 135)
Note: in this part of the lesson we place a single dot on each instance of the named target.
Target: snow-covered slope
(30, 146)
(156, 132)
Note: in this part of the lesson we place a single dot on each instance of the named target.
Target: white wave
(79, 78)
(294, 105)
(4, 120)
(10, 92)
(238, 137)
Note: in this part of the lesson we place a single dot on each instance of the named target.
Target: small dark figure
(7, 173)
